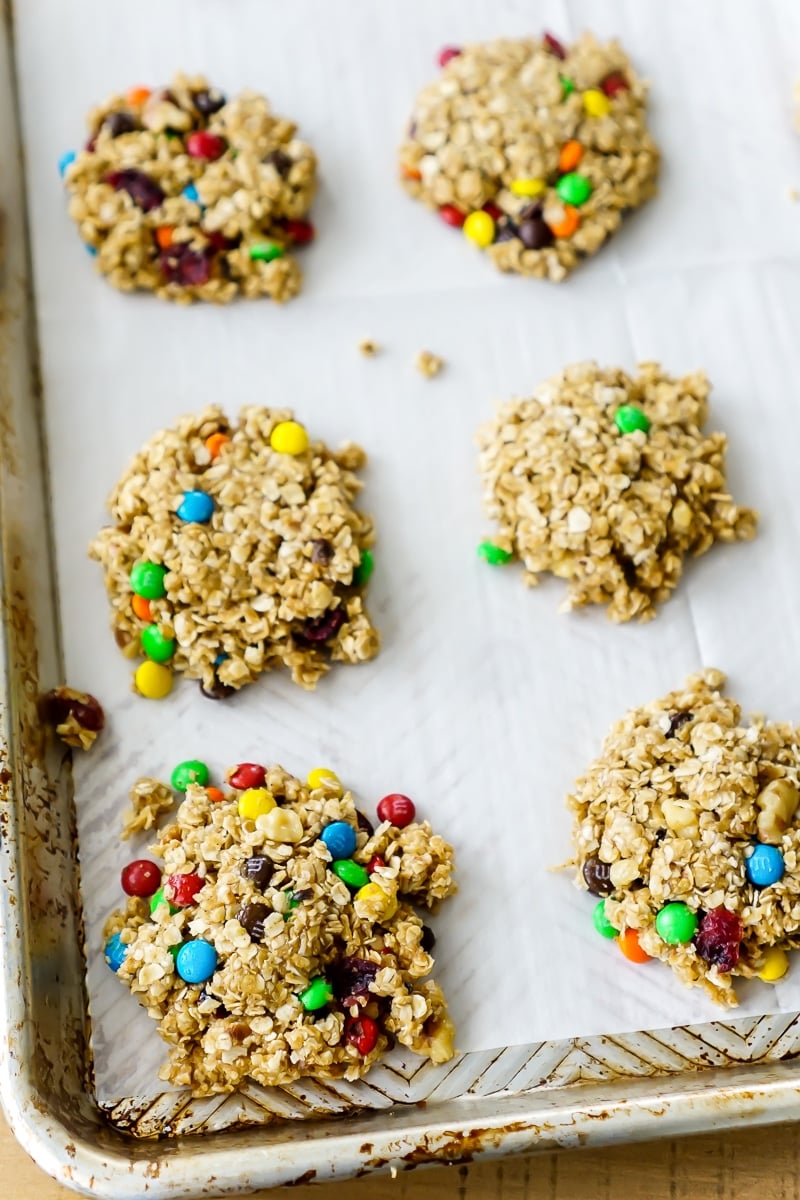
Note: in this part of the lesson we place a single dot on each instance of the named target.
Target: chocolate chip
(221, 1010)
(252, 918)
(597, 875)
(208, 102)
(280, 161)
(322, 551)
(351, 977)
(676, 721)
(506, 232)
(428, 939)
(217, 691)
(535, 234)
(259, 869)
(119, 122)
(364, 824)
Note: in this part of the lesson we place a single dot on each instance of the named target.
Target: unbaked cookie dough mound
(535, 150)
(607, 481)
(191, 196)
(687, 829)
(279, 937)
(235, 548)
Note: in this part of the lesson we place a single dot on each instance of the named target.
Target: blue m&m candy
(340, 838)
(196, 507)
(115, 952)
(191, 193)
(66, 160)
(765, 865)
(196, 961)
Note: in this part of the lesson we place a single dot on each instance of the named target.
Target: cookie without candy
(607, 481)
(536, 150)
(194, 197)
(259, 557)
(309, 976)
(684, 807)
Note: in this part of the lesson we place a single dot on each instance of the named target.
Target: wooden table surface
(754, 1164)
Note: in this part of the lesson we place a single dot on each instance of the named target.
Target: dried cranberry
(535, 234)
(119, 122)
(428, 939)
(554, 46)
(718, 938)
(141, 878)
(142, 190)
(258, 869)
(218, 241)
(247, 775)
(182, 889)
(60, 704)
(321, 551)
(301, 232)
(364, 824)
(181, 264)
(597, 875)
(676, 721)
(361, 1032)
(208, 101)
(202, 144)
(322, 629)
(351, 978)
(449, 52)
(252, 918)
(615, 82)
(280, 160)
(493, 210)
(397, 809)
(218, 690)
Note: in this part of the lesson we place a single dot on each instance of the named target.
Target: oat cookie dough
(182, 192)
(608, 481)
(533, 149)
(235, 548)
(277, 937)
(687, 829)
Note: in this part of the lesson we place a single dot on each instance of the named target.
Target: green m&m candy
(494, 555)
(147, 580)
(158, 899)
(574, 188)
(364, 568)
(318, 993)
(351, 873)
(266, 251)
(676, 923)
(191, 771)
(629, 418)
(602, 923)
(156, 646)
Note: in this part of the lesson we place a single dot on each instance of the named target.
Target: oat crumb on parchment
(150, 800)
(369, 348)
(428, 364)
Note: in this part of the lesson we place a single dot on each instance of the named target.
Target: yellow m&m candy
(255, 802)
(153, 680)
(596, 103)
(776, 964)
(320, 775)
(289, 437)
(479, 228)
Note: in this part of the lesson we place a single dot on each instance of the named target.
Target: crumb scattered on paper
(369, 348)
(428, 364)
(150, 800)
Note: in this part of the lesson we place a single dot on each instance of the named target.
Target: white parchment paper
(485, 702)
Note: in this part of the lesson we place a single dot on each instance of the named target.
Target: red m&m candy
(202, 144)
(397, 809)
(452, 215)
(182, 889)
(141, 878)
(361, 1032)
(247, 775)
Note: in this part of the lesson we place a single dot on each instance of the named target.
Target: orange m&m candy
(164, 236)
(215, 794)
(571, 154)
(141, 607)
(410, 172)
(628, 943)
(568, 223)
(136, 96)
(215, 442)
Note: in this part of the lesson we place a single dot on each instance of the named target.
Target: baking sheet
(485, 702)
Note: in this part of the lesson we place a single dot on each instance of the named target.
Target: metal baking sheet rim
(44, 1060)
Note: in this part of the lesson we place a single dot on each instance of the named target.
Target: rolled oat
(194, 197)
(305, 981)
(271, 578)
(607, 481)
(535, 150)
